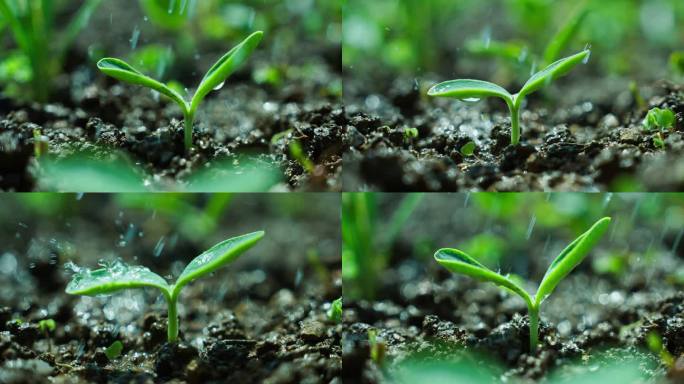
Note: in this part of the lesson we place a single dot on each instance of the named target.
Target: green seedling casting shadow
(213, 80)
(474, 90)
(458, 261)
(118, 276)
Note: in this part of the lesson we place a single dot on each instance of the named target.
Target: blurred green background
(518, 233)
(168, 39)
(505, 40)
(40, 232)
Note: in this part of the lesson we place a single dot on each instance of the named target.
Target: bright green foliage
(367, 240)
(657, 118)
(213, 80)
(409, 134)
(114, 350)
(377, 347)
(520, 53)
(47, 325)
(655, 344)
(335, 311)
(468, 149)
(457, 261)
(34, 27)
(474, 90)
(118, 276)
(298, 154)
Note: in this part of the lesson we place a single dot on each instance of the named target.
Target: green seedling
(214, 79)
(41, 144)
(46, 326)
(458, 261)
(335, 311)
(410, 134)
(34, 26)
(298, 154)
(473, 90)
(377, 347)
(114, 350)
(119, 276)
(655, 344)
(656, 118)
(468, 149)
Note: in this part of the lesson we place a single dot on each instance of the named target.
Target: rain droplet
(219, 86)
(471, 100)
(159, 247)
(530, 226)
(135, 37)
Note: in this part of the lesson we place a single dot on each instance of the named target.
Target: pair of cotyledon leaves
(213, 79)
(459, 262)
(464, 89)
(108, 280)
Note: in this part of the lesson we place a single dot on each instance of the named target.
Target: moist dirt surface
(582, 135)
(245, 125)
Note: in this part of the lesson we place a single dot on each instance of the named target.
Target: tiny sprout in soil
(335, 311)
(474, 90)
(457, 261)
(114, 350)
(118, 276)
(213, 80)
(657, 118)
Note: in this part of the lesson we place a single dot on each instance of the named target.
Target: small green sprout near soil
(213, 80)
(457, 261)
(114, 350)
(660, 120)
(474, 90)
(118, 276)
(335, 311)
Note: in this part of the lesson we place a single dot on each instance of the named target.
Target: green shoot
(656, 118)
(335, 311)
(119, 276)
(655, 344)
(114, 350)
(46, 326)
(367, 241)
(636, 95)
(474, 90)
(468, 149)
(458, 261)
(377, 347)
(40, 143)
(34, 28)
(298, 154)
(658, 141)
(213, 80)
(410, 134)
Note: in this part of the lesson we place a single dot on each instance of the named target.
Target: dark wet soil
(246, 324)
(243, 123)
(592, 140)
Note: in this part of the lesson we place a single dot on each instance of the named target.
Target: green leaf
(571, 256)
(114, 350)
(468, 149)
(123, 71)
(469, 90)
(216, 257)
(458, 261)
(225, 66)
(565, 34)
(552, 72)
(335, 311)
(114, 277)
(77, 23)
(85, 174)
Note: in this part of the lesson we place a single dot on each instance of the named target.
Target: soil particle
(173, 358)
(312, 331)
